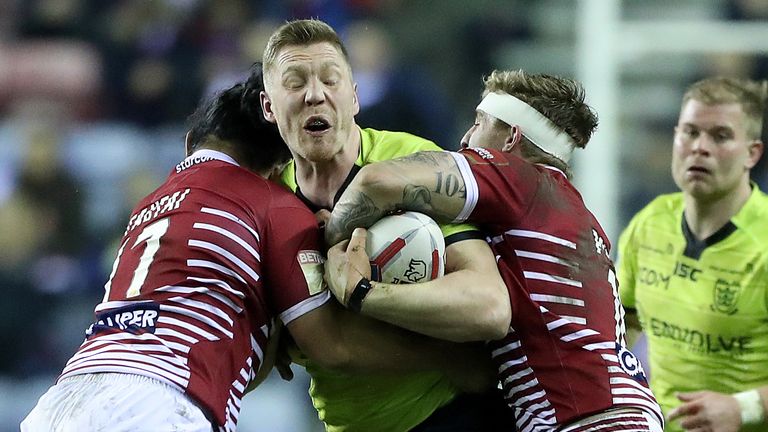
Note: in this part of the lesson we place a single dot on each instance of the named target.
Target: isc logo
(686, 272)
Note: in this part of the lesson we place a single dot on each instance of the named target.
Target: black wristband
(361, 290)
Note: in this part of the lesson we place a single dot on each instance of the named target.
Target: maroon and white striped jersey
(564, 358)
(205, 264)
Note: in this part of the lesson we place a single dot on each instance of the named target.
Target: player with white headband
(564, 364)
(539, 130)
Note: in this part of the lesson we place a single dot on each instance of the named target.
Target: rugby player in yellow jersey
(310, 94)
(693, 266)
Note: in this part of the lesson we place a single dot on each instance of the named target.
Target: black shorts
(486, 412)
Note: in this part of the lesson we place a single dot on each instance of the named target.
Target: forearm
(426, 182)
(394, 349)
(374, 346)
(345, 341)
(461, 306)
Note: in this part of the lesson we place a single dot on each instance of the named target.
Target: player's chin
(319, 150)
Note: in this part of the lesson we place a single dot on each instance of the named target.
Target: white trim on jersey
(198, 317)
(231, 217)
(556, 323)
(214, 266)
(575, 319)
(543, 257)
(225, 254)
(541, 236)
(471, 187)
(307, 305)
(118, 304)
(230, 235)
(256, 350)
(508, 364)
(517, 375)
(195, 329)
(505, 348)
(117, 354)
(99, 346)
(176, 334)
(599, 346)
(213, 154)
(203, 306)
(202, 290)
(548, 298)
(578, 335)
(219, 283)
(551, 278)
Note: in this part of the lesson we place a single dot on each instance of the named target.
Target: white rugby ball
(406, 248)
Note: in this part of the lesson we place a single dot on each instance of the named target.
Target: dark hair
(234, 115)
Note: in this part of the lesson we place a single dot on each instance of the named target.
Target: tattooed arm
(470, 302)
(426, 182)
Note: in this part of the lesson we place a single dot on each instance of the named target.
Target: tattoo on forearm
(419, 198)
(416, 197)
(358, 211)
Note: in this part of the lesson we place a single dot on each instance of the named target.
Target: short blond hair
(302, 33)
(751, 95)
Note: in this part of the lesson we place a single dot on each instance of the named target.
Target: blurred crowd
(94, 94)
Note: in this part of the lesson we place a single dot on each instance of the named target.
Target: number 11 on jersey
(151, 234)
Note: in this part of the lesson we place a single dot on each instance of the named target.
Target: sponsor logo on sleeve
(311, 262)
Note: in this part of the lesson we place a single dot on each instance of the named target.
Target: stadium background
(94, 94)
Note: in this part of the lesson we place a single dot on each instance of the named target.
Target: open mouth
(698, 170)
(316, 124)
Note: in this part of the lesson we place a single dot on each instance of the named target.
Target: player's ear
(513, 139)
(355, 99)
(187, 143)
(266, 107)
(755, 152)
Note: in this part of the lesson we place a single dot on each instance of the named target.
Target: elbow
(487, 319)
(497, 316)
(499, 321)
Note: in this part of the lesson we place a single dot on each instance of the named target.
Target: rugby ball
(405, 248)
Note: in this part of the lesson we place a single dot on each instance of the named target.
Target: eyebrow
(294, 69)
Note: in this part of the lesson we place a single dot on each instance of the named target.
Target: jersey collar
(212, 154)
(748, 213)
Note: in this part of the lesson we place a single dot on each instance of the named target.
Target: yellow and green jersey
(385, 403)
(703, 305)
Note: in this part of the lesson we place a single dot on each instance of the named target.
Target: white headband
(538, 129)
